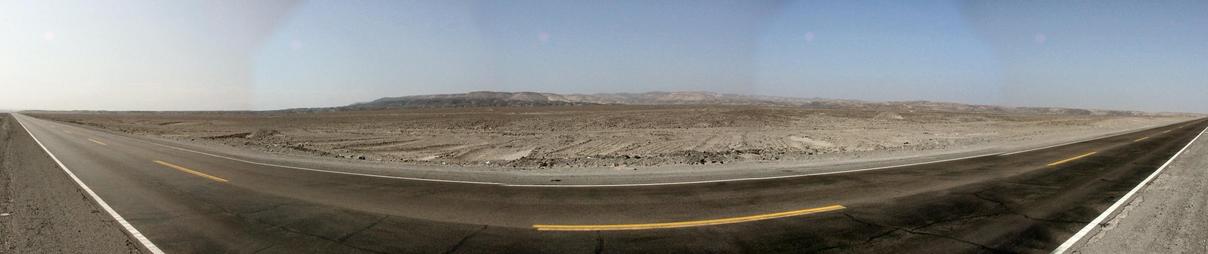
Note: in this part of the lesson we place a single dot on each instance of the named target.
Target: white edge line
(321, 170)
(604, 185)
(567, 185)
(146, 243)
(748, 179)
(1089, 139)
(554, 185)
(1052, 146)
(1127, 198)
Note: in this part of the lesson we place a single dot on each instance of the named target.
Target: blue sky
(186, 55)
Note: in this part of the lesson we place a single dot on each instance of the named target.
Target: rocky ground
(606, 135)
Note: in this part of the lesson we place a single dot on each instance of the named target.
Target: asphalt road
(1168, 216)
(185, 202)
(42, 210)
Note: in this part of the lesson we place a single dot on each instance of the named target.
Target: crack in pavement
(464, 239)
(285, 226)
(371, 225)
(287, 229)
(270, 246)
(917, 232)
(1012, 211)
(886, 233)
(960, 218)
(599, 243)
(273, 207)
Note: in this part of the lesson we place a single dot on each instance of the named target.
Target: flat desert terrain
(618, 136)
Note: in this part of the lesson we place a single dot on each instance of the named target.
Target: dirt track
(608, 136)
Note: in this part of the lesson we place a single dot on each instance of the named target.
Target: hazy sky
(203, 55)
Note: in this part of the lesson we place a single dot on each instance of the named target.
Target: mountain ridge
(536, 99)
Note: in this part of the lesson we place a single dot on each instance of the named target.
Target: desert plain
(612, 136)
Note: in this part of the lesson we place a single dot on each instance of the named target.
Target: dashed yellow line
(1071, 159)
(190, 171)
(684, 224)
(98, 142)
(1139, 139)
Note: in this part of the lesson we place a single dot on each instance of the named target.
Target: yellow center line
(1071, 159)
(1139, 139)
(684, 224)
(97, 142)
(190, 171)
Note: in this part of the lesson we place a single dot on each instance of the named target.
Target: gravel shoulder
(43, 210)
(1168, 216)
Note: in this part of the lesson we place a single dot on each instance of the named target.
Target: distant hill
(487, 98)
(535, 99)
(472, 99)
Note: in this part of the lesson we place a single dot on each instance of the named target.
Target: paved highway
(186, 202)
(1169, 216)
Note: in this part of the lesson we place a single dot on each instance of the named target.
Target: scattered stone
(889, 116)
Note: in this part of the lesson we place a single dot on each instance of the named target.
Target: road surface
(1168, 216)
(187, 202)
(42, 210)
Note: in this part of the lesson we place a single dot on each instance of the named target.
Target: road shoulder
(1168, 216)
(43, 210)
